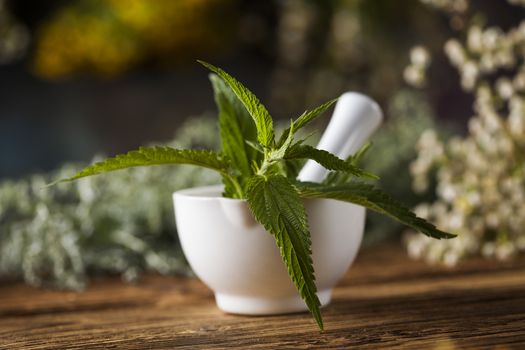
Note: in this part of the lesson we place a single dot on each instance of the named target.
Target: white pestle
(355, 118)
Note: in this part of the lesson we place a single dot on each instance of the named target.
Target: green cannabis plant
(261, 168)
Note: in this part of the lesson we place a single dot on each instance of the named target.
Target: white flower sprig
(415, 73)
(481, 177)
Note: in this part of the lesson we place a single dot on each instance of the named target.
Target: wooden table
(386, 300)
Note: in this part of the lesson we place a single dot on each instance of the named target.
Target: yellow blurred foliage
(109, 37)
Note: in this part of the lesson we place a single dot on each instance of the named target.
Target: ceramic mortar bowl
(239, 260)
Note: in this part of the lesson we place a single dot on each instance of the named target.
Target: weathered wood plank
(384, 301)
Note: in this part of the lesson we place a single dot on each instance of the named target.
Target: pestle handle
(355, 118)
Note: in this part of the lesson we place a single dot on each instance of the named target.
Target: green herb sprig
(260, 168)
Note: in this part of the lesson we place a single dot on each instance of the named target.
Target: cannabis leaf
(280, 152)
(233, 142)
(258, 112)
(306, 118)
(372, 198)
(155, 156)
(360, 154)
(275, 203)
(326, 159)
(256, 168)
(309, 116)
(341, 177)
(236, 130)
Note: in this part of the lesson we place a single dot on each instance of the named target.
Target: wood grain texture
(385, 301)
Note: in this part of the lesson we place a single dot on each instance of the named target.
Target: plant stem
(264, 167)
(238, 188)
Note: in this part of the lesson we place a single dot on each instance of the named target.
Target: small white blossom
(505, 88)
(452, 6)
(481, 176)
(455, 52)
(475, 39)
(420, 56)
(469, 75)
(415, 73)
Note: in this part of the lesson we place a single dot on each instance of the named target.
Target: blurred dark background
(86, 76)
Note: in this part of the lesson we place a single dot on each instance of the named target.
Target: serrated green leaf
(146, 156)
(341, 177)
(279, 153)
(240, 112)
(326, 159)
(293, 167)
(259, 113)
(372, 198)
(255, 146)
(275, 204)
(335, 178)
(236, 128)
(360, 154)
(232, 137)
(307, 117)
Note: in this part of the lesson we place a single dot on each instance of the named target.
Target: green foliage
(372, 198)
(233, 127)
(120, 224)
(307, 117)
(237, 132)
(257, 111)
(327, 160)
(276, 204)
(157, 155)
(394, 147)
(338, 177)
(267, 186)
